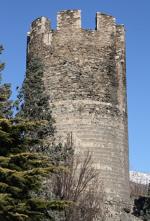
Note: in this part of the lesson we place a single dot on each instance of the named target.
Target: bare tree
(81, 186)
(138, 189)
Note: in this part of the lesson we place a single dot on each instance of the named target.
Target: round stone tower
(85, 76)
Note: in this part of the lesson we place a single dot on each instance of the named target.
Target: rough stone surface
(113, 212)
(85, 76)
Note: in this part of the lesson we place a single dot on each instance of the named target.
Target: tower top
(72, 20)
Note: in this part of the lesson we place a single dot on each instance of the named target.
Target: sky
(16, 17)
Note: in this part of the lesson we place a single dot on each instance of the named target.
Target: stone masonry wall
(85, 77)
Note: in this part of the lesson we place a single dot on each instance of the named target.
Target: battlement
(69, 19)
(40, 25)
(105, 22)
(72, 20)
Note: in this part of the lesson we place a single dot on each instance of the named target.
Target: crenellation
(121, 32)
(40, 25)
(40, 31)
(105, 22)
(69, 19)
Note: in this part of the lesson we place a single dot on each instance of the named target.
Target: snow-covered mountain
(138, 177)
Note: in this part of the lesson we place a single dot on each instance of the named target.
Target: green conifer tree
(5, 92)
(22, 171)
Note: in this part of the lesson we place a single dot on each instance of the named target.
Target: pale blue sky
(15, 19)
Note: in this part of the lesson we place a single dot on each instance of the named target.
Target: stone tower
(85, 76)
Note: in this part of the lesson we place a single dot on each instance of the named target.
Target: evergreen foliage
(5, 92)
(34, 99)
(22, 171)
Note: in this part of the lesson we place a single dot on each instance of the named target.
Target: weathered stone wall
(85, 77)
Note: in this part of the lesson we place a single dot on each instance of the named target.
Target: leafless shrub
(138, 189)
(81, 185)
